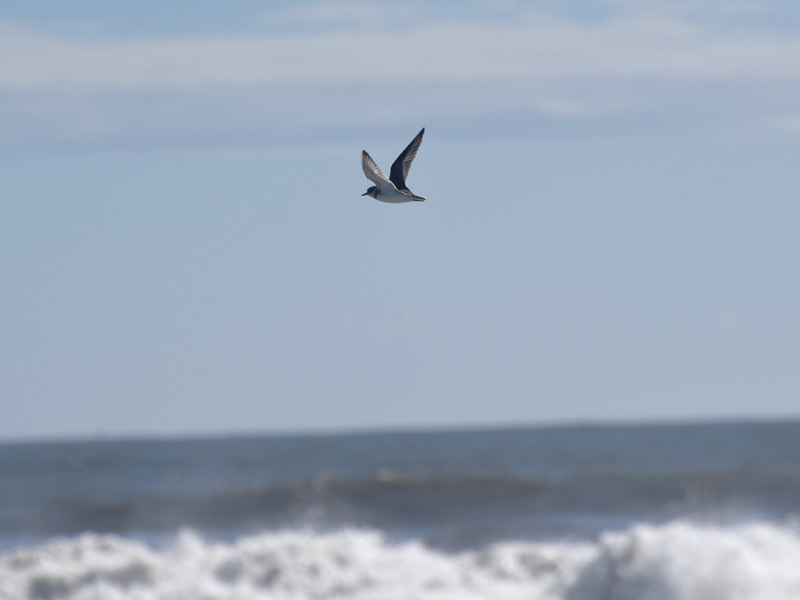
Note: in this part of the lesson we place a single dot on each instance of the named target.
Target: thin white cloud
(541, 65)
(533, 47)
(707, 8)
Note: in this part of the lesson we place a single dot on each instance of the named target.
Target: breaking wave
(680, 560)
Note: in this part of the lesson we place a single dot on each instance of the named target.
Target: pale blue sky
(611, 231)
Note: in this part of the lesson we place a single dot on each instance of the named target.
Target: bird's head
(372, 192)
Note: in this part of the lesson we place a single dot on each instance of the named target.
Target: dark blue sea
(666, 512)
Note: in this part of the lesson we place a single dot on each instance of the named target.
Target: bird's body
(392, 189)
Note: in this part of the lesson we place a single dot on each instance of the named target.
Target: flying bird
(392, 189)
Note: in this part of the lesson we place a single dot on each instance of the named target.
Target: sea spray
(680, 560)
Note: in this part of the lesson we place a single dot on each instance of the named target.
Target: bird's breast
(392, 196)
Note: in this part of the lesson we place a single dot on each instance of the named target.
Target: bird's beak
(365, 193)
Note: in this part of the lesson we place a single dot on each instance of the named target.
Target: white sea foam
(677, 561)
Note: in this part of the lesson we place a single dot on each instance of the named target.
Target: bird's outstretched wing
(402, 164)
(373, 171)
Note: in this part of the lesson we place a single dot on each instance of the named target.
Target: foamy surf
(676, 561)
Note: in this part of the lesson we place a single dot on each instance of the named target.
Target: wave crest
(676, 561)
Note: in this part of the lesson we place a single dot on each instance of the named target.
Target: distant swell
(677, 561)
(391, 502)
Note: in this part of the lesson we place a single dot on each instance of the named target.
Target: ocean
(658, 512)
